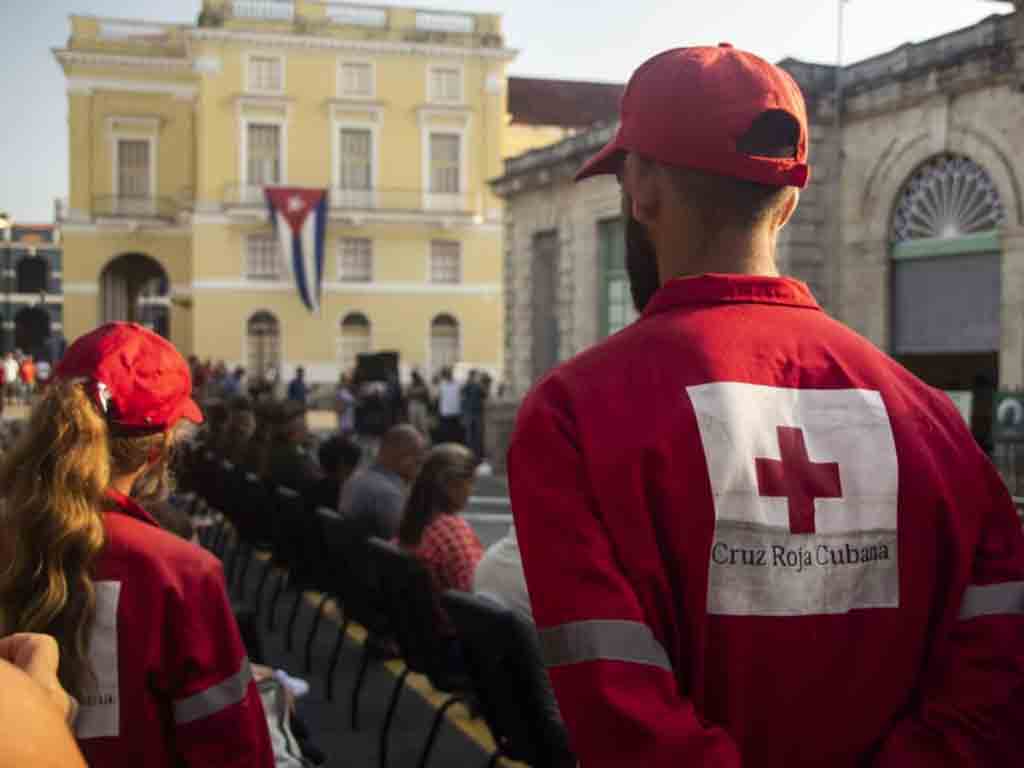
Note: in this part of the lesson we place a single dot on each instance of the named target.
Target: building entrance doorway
(135, 288)
(32, 331)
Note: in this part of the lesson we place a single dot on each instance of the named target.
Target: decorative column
(864, 294)
(1011, 341)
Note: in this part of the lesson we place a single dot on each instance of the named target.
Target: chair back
(255, 511)
(230, 488)
(502, 655)
(287, 534)
(206, 474)
(359, 586)
(413, 606)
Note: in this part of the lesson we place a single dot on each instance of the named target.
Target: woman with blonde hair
(431, 526)
(148, 643)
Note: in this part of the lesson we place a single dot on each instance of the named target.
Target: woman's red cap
(141, 379)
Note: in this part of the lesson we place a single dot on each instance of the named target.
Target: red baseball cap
(142, 381)
(688, 107)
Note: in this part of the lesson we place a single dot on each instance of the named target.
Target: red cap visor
(607, 161)
(191, 411)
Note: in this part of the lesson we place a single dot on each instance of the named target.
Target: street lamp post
(7, 225)
(835, 290)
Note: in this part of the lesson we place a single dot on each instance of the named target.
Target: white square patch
(100, 713)
(805, 485)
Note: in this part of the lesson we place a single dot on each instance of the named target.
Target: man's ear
(788, 208)
(641, 181)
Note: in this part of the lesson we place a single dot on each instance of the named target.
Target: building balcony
(243, 197)
(269, 10)
(155, 209)
(376, 22)
(357, 15)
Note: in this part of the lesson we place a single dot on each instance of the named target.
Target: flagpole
(837, 130)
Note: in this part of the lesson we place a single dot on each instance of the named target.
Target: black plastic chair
(298, 548)
(413, 606)
(362, 596)
(253, 514)
(503, 657)
(284, 555)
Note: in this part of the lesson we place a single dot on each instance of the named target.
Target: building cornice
(90, 84)
(120, 61)
(364, 46)
(541, 167)
(234, 285)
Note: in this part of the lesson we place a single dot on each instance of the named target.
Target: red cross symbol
(798, 479)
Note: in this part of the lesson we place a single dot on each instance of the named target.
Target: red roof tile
(566, 103)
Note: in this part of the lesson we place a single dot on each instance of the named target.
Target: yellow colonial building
(175, 131)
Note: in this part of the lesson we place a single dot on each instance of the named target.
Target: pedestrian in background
(12, 378)
(472, 402)
(28, 379)
(297, 389)
(418, 395)
(449, 408)
(345, 406)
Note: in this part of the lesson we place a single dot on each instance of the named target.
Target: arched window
(946, 272)
(355, 339)
(32, 275)
(444, 342)
(263, 337)
(949, 196)
(135, 287)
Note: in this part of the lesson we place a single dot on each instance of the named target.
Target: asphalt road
(489, 512)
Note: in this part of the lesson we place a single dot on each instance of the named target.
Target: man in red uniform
(750, 537)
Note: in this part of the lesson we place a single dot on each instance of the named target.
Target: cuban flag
(299, 217)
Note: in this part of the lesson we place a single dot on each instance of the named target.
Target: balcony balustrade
(242, 196)
(270, 10)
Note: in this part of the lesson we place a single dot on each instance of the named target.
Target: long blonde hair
(52, 485)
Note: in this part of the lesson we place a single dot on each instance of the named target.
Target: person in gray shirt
(375, 496)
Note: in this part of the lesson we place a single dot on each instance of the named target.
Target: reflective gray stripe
(993, 600)
(580, 641)
(215, 698)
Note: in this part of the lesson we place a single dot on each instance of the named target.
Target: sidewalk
(462, 742)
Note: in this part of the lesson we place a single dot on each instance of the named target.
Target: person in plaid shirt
(431, 526)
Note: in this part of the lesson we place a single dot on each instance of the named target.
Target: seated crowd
(88, 484)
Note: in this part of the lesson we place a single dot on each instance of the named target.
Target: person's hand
(38, 656)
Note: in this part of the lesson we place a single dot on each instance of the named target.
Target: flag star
(296, 204)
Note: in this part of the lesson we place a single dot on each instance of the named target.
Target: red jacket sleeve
(970, 707)
(218, 715)
(615, 684)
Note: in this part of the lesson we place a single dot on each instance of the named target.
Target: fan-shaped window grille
(444, 342)
(949, 196)
(263, 334)
(354, 341)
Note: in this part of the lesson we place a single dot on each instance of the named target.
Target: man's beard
(641, 259)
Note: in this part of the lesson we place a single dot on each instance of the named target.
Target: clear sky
(580, 39)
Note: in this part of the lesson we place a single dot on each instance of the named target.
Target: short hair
(401, 440)
(338, 452)
(725, 201)
(241, 403)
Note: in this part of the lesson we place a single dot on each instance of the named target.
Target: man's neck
(739, 253)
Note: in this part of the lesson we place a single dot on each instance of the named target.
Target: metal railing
(117, 206)
(357, 15)
(238, 195)
(444, 21)
(273, 10)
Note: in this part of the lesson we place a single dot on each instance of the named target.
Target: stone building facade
(911, 230)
